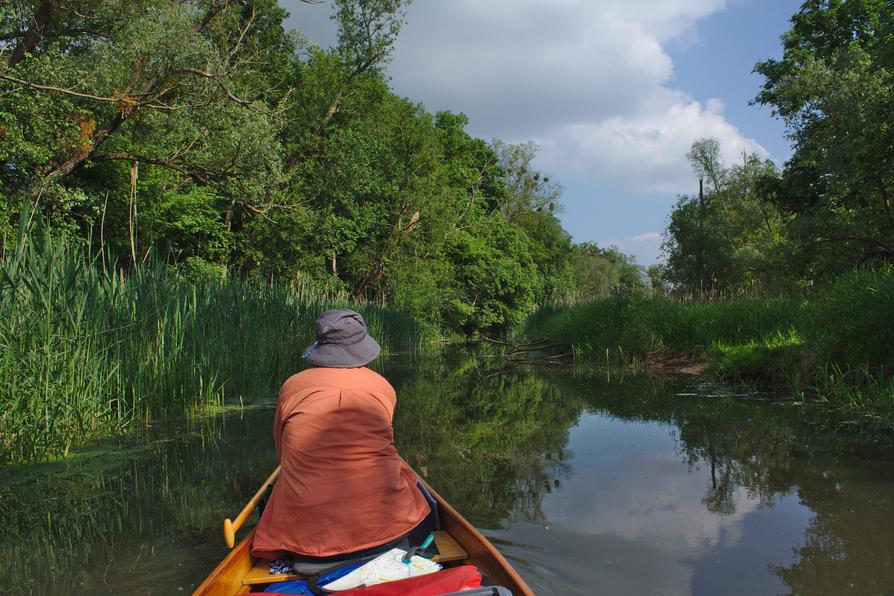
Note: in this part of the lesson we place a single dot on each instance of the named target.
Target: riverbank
(833, 348)
(86, 352)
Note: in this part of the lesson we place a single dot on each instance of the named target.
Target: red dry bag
(454, 579)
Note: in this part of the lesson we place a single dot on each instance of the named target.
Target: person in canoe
(343, 492)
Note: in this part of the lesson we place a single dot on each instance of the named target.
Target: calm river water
(589, 483)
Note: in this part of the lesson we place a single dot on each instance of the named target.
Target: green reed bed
(852, 322)
(85, 352)
(836, 346)
(639, 326)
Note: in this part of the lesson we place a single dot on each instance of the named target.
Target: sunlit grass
(860, 396)
(770, 359)
(836, 346)
(639, 326)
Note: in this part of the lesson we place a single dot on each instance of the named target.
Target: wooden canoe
(239, 572)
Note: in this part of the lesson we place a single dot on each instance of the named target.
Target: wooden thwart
(260, 574)
(448, 550)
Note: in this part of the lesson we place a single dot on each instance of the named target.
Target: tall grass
(85, 352)
(837, 346)
(639, 326)
(851, 324)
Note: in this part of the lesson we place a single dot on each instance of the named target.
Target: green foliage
(639, 326)
(730, 238)
(206, 132)
(768, 360)
(658, 282)
(603, 272)
(198, 270)
(835, 346)
(850, 323)
(834, 88)
(367, 30)
(698, 253)
(84, 352)
(527, 190)
(859, 396)
(496, 279)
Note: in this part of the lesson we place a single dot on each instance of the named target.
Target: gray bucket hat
(342, 341)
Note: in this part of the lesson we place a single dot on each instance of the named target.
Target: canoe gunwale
(226, 579)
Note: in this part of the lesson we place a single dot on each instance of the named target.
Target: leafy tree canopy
(834, 88)
(205, 131)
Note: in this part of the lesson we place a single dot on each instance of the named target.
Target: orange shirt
(342, 487)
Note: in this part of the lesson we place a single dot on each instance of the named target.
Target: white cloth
(386, 567)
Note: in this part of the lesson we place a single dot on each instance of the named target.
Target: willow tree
(171, 122)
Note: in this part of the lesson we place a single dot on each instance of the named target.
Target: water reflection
(133, 522)
(698, 496)
(588, 482)
(488, 438)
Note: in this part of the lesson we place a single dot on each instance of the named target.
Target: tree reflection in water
(489, 438)
(772, 451)
(145, 514)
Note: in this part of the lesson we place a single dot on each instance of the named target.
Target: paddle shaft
(231, 527)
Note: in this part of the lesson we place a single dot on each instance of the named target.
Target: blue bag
(301, 586)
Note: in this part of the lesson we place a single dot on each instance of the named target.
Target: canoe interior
(226, 579)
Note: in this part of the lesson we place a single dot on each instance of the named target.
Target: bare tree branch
(32, 37)
(218, 80)
(53, 89)
(206, 178)
(249, 22)
(126, 100)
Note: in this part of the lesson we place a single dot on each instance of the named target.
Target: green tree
(527, 189)
(530, 201)
(551, 250)
(704, 156)
(698, 254)
(834, 88)
(729, 237)
(208, 92)
(601, 272)
(207, 132)
(495, 278)
(164, 85)
(658, 283)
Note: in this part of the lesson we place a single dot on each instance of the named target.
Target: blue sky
(613, 92)
(715, 62)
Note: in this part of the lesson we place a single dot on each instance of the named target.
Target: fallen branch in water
(525, 352)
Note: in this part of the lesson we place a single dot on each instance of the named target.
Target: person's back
(343, 487)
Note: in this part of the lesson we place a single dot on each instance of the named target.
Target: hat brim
(345, 356)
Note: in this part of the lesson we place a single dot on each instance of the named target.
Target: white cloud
(648, 495)
(645, 153)
(518, 68)
(645, 247)
(632, 511)
(588, 81)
